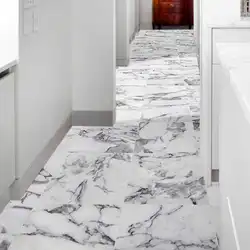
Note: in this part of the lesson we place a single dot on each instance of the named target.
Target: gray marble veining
(137, 185)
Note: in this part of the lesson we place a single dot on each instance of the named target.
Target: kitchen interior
(223, 45)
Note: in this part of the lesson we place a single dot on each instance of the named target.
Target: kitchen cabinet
(7, 132)
(172, 12)
(234, 137)
(211, 74)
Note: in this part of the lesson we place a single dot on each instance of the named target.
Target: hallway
(138, 185)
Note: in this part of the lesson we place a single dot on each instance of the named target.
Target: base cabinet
(7, 132)
(173, 12)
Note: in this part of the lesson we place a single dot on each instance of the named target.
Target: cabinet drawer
(228, 35)
(172, 18)
(171, 7)
(7, 132)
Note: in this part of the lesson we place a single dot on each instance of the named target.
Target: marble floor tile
(136, 185)
(152, 226)
(12, 219)
(165, 112)
(130, 116)
(122, 82)
(126, 178)
(173, 179)
(120, 138)
(174, 138)
(131, 103)
(169, 227)
(167, 96)
(130, 97)
(40, 242)
(150, 73)
(158, 61)
(166, 82)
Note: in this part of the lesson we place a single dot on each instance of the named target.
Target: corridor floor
(137, 185)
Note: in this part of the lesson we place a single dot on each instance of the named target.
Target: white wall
(127, 23)
(122, 32)
(146, 13)
(43, 88)
(93, 55)
(137, 14)
(197, 24)
(8, 31)
(131, 18)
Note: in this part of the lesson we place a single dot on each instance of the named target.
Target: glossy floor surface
(137, 185)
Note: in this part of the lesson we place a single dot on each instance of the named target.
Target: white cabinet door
(217, 78)
(7, 132)
(231, 35)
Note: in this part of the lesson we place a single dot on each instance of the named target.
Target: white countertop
(235, 58)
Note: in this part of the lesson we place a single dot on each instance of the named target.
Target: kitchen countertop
(235, 59)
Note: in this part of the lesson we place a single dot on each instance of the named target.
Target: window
(245, 8)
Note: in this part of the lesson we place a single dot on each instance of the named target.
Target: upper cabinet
(7, 132)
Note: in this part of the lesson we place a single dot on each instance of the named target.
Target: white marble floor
(137, 185)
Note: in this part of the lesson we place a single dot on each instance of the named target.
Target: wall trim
(137, 29)
(215, 175)
(146, 26)
(132, 37)
(122, 62)
(93, 118)
(5, 197)
(19, 187)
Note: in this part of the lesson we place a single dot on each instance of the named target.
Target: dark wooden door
(172, 12)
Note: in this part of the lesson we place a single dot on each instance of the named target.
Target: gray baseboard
(134, 34)
(18, 188)
(132, 37)
(122, 62)
(215, 175)
(5, 197)
(93, 118)
(137, 28)
(146, 26)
